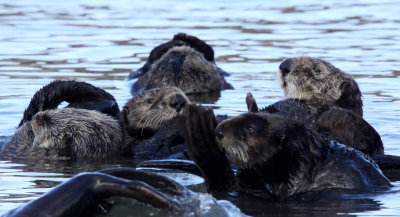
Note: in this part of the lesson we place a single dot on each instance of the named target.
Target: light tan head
(152, 109)
(316, 80)
(85, 133)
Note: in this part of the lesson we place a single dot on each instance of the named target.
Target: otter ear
(251, 103)
(42, 119)
(350, 98)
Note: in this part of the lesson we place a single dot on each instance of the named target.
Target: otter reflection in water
(185, 62)
(276, 157)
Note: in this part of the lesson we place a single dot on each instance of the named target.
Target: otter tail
(77, 94)
(387, 161)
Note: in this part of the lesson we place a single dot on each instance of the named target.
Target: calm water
(100, 42)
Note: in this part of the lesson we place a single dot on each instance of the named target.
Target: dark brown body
(82, 194)
(185, 62)
(278, 157)
(336, 123)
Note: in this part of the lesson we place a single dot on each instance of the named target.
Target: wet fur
(339, 124)
(83, 133)
(291, 159)
(318, 81)
(146, 113)
(77, 94)
(78, 133)
(185, 62)
(276, 157)
(151, 125)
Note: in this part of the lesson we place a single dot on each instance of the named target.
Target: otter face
(152, 109)
(250, 138)
(311, 79)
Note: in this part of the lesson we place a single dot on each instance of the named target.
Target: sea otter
(32, 128)
(339, 124)
(318, 82)
(276, 157)
(80, 195)
(152, 125)
(94, 194)
(185, 62)
(77, 133)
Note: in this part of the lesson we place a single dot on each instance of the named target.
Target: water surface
(100, 42)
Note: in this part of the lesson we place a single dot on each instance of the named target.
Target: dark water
(100, 42)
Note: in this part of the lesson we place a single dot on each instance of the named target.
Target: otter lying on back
(328, 101)
(318, 82)
(276, 157)
(47, 132)
(152, 125)
(185, 62)
(78, 133)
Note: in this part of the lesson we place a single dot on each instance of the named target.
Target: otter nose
(178, 102)
(285, 67)
(218, 133)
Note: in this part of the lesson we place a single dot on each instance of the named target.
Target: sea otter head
(42, 124)
(311, 79)
(258, 138)
(316, 80)
(147, 112)
(185, 62)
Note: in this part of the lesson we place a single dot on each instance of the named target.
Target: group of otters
(314, 140)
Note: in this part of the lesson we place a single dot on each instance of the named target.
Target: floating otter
(86, 194)
(45, 131)
(185, 62)
(339, 124)
(277, 157)
(79, 195)
(152, 125)
(78, 94)
(77, 133)
(319, 82)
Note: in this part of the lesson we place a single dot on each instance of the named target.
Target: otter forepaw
(251, 103)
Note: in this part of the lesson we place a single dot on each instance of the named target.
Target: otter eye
(150, 101)
(251, 130)
(317, 70)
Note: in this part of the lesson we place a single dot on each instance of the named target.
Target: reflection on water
(101, 42)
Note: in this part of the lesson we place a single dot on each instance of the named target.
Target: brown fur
(84, 133)
(318, 81)
(339, 124)
(185, 62)
(350, 129)
(79, 133)
(290, 159)
(146, 113)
